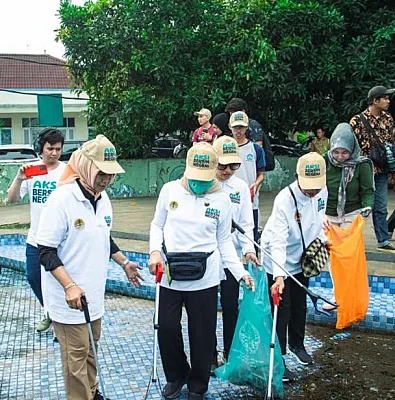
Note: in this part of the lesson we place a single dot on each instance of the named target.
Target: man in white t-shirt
(252, 169)
(39, 188)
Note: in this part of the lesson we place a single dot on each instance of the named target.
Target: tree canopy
(148, 65)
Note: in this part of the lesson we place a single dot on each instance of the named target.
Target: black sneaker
(99, 396)
(388, 248)
(172, 390)
(195, 396)
(301, 354)
(288, 376)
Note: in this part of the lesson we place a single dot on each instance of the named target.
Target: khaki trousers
(79, 368)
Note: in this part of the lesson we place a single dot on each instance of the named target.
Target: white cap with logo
(202, 161)
(311, 170)
(238, 118)
(227, 150)
(103, 154)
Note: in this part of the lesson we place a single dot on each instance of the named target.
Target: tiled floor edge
(148, 292)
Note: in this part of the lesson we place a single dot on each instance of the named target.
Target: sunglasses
(233, 167)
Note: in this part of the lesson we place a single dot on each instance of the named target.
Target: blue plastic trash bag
(248, 361)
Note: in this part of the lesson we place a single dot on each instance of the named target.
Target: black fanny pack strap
(298, 219)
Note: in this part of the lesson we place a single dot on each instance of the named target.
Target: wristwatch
(124, 263)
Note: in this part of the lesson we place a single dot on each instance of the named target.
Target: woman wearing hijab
(74, 245)
(221, 125)
(191, 230)
(349, 180)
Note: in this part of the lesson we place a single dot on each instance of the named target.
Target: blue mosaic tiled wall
(381, 313)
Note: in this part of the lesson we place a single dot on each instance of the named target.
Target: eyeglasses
(233, 167)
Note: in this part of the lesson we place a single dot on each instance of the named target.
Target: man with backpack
(253, 164)
(254, 132)
(375, 131)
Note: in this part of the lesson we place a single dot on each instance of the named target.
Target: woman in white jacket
(192, 230)
(282, 239)
(229, 162)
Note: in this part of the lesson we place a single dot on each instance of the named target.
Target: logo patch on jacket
(235, 197)
(212, 213)
(173, 205)
(107, 218)
(321, 204)
(249, 157)
(79, 224)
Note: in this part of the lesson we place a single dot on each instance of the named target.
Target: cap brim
(199, 174)
(225, 160)
(314, 183)
(389, 91)
(239, 123)
(109, 167)
(197, 114)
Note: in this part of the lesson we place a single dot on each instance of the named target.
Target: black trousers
(291, 312)
(255, 214)
(230, 309)
(201, 307)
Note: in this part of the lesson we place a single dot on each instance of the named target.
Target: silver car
(17, 153)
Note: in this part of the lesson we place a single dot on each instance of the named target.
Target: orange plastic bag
(349, 272)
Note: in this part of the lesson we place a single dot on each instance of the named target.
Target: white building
(36, 74)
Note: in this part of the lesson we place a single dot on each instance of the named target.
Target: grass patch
(17, 225)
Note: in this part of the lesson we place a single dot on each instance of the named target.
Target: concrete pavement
(132, 218)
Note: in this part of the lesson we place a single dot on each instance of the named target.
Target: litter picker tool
(313, 296)
(92, 340)
(154, 376)
(276, 303)
(158, 278)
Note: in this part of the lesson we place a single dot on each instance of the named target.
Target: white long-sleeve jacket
(281, 236)
(186, 223)
(240, 197)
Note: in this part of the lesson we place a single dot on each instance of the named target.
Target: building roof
(33, 71)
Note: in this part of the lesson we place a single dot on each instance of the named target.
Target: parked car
(69, 147)
(164, 147)
(18, 153)
(290, 147)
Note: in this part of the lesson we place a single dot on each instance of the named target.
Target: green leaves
(148, 65)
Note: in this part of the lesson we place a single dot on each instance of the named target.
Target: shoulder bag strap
(368, 127)
(298, 218)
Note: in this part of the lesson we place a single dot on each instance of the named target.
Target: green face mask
(199, 187)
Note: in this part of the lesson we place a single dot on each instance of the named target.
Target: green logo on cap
(229, 148)
(238, 117)
(110, 154)
(201, 161)
(312, 170)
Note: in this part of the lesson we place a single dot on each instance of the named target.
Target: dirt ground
(361, 366)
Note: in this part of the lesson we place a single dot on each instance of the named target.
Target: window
(5, 131)
(31, 129)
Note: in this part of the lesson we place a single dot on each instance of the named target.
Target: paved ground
(30, 365)
(132, 218)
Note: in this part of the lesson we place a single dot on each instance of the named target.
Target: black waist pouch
(187, 266)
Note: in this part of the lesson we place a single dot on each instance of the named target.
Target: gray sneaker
(44, 325)
(388, 248)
